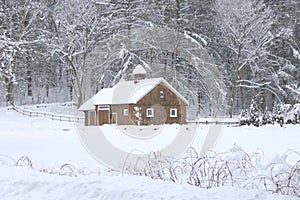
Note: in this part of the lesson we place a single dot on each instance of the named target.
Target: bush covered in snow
(235, 167)
(280, 114)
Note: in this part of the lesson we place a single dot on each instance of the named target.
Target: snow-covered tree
(244, 117)
(22, 32)
(79, 30)
(254, 114)
(245, 30)
(278, 115)
(267, 117)
(296, 119)
(59, 49)
(286, 47)
(138, 115)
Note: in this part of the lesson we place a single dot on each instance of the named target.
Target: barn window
(173, 112)
(150, 112)
(162, 94)
(125, 112)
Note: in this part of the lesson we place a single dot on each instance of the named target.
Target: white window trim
(161, 94)
(125, 111)
(148, 109)
(175, 109)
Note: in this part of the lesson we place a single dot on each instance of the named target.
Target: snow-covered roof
(130, 92)
(139, 70)
(104, 96)
(88, 105)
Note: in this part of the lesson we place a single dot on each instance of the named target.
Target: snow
(50, 144)
(104, 97)
(296, 53)
(138, 115)
(139, 70)
(155, 139)
(273, 140)
(140, 92)
(296, 108)
(197, 36)
(88, 105)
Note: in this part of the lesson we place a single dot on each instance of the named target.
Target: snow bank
(22, 183)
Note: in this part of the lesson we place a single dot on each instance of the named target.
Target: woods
(55, 51)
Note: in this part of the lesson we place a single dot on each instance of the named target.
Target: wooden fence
(66, 118)
(223, 122)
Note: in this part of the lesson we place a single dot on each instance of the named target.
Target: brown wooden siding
(162, 107)
(121, 119)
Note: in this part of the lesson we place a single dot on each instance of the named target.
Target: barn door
(103, 117)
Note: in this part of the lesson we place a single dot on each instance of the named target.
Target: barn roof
(88, 105)
(104, 96)
(127, 92)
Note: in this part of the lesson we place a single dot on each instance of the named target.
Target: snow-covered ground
(46, 142)
(50, 144)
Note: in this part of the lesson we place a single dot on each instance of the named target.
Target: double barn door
(103, 117)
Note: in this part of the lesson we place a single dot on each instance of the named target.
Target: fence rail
(233, 123)
(66, 118)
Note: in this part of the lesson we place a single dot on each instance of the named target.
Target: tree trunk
(29, 83)
(9, 91)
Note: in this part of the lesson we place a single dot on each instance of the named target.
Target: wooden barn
(136, 102)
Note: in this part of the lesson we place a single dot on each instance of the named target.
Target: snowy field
(49, 145)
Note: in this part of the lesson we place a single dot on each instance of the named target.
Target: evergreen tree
(296, 117)
(244, 118)
(278, 116)
(267, 117)
(254, 114)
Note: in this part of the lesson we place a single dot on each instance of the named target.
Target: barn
(140, 101)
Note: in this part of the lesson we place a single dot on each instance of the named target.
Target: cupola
(139, 73)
